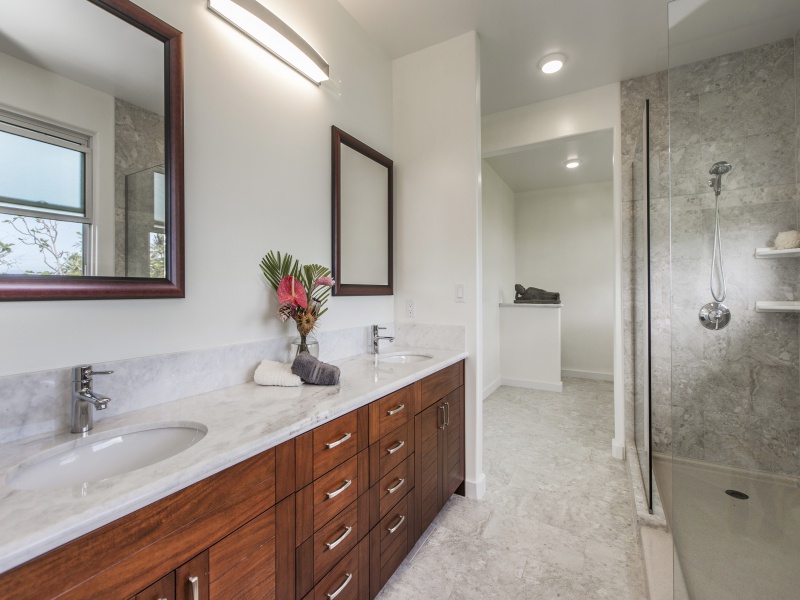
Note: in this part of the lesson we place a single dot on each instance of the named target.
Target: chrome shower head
(718, 169)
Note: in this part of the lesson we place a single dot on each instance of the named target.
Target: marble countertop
(242, 421)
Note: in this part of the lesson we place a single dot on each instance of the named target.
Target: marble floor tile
(556, 520)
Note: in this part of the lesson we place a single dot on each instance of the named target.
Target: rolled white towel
(270, 372)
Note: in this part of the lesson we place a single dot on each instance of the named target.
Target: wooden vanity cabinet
(334, 509)
(440, 437)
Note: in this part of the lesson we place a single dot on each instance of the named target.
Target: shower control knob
(715, 315)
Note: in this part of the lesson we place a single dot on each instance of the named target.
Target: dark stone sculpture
(534, 295)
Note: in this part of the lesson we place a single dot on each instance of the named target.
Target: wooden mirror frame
(338, 138)
(63, 287)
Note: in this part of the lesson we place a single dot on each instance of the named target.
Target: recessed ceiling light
(572, 163)
(552, 63)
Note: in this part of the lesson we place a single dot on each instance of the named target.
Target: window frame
(50, 133)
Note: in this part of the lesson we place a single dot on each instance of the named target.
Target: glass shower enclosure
(734, 450)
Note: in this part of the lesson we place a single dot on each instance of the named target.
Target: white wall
(33, 92)
(584, 112)
(565, 243)
(437, 152)
(498, 268)
(257, 178)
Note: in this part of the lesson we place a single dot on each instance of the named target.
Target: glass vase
(305, 343)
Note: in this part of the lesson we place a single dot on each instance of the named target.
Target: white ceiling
(542, 166)
(82, 42)
(605, 41)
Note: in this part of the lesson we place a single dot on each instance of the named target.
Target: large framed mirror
(362, 218)
(91, 152)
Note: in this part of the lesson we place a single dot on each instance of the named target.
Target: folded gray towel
(313, 371)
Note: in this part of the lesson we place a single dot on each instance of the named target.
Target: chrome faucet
(83, 396)
(376, 339)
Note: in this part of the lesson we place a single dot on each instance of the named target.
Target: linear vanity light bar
(253, 19)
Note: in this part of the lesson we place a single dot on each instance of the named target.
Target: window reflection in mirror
(82, 143)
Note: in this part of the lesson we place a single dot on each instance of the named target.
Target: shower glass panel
(734, 93)
(640, 180)
(145, 208)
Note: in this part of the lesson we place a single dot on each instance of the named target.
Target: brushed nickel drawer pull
(333, 544)
(345, 437)
(392, 490)
(396, 527)
(447, 413)
(335, 493)
(348, 577)
(394, 411)
(195, 587)
(396, 447)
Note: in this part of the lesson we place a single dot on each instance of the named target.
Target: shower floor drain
(737, 494)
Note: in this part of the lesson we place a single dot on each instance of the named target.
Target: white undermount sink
(404, 357)
(105, 454)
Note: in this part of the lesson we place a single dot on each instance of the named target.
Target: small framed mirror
(91, 152)
(362, 218)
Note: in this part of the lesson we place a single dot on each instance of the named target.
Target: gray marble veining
(242, 421)
(730, 396)
(38, 403)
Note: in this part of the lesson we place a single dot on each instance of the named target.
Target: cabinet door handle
(195, 587)
(347, 578)
(345, 437)
(447, 413)
(441, 408)
(396, 447)
(335, 493)
(394, 411)
(396, 527)
(334, 543)
(396, 487)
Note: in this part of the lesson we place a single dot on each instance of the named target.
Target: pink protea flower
(291, 291)
(285, 312)
(323, 281)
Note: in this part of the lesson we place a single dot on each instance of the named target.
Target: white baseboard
(474, 490)
(587, 375)
(491, 388)
(534, 385)
(618, 449)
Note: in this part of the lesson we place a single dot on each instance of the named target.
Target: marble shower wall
(138, 145)
(735, 397)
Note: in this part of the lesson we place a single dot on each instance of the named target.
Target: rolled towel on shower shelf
(787, 240)
(270, 372)
(313, 371)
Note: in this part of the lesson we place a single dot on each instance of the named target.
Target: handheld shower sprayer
(718, 169)
(715, 315)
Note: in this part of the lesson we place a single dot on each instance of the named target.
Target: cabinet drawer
(389, 542)
(391, 450)
(336, 539)
(349, 578)
(334, 442)
(334, 492)
(437, 386)
(163, 589)
(391, 411)
(391, 489)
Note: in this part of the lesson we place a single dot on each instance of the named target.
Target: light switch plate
(460, 294)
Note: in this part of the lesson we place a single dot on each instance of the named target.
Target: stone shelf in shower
(779, 306)
(772, 253)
